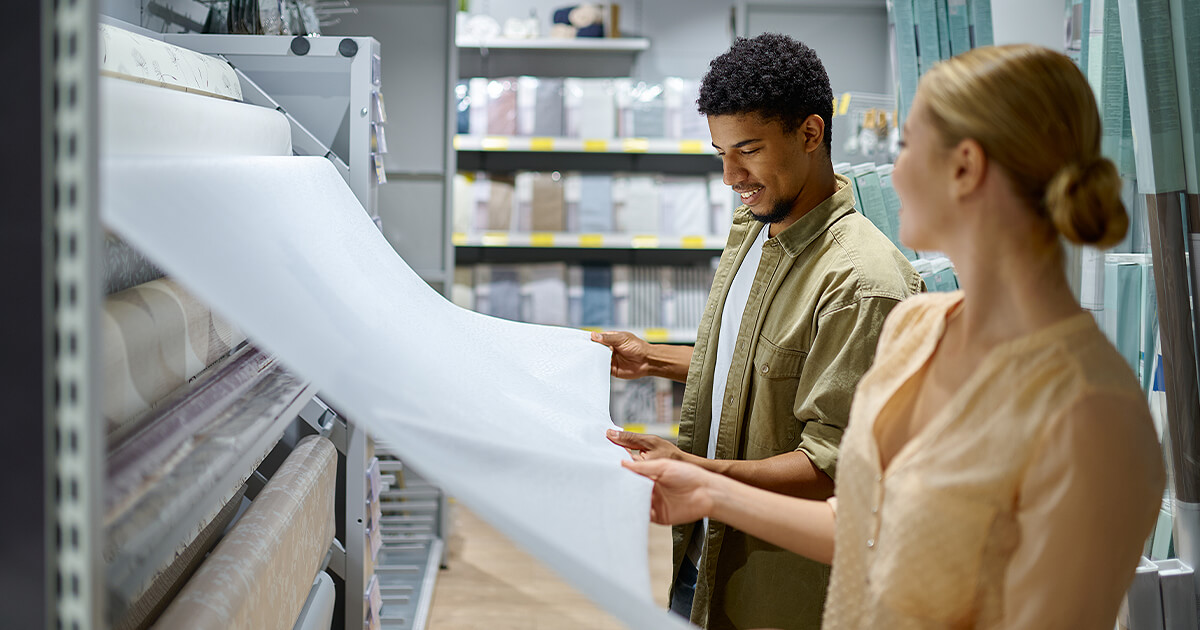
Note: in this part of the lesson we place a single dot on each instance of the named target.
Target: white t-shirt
(731, 322)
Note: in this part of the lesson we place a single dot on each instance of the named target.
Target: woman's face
(922, 179)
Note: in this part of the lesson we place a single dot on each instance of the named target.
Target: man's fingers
(610, 339)
(629, 439)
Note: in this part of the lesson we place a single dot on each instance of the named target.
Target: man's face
(764, 164)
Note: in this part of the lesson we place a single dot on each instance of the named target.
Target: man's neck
(820, 186)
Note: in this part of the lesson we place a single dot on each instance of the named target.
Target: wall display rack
(122, 556)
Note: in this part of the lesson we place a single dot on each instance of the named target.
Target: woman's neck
(1011, 286)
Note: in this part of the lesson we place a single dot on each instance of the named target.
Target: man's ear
(969, 166)
(813, 130)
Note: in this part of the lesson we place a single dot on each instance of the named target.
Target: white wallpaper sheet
(507, 417)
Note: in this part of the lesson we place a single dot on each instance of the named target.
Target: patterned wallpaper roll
(124, 267)
(147, 60)
(155, 337)
(260, 574)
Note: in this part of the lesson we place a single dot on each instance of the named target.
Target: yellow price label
(645, 241)
(457, 142)
(541, 144)
(595, 146)
(591, 240)
(693, 242)
(635, 145)
(845, 106)
(458, 238)
(495, 143)
(656, 335)
(495, 239)
(675, 429)
(635, 427)
(691, 146)
(541, 239)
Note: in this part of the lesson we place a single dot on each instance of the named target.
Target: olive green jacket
(819, 298)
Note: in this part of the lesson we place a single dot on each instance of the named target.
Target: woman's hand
(681, 491)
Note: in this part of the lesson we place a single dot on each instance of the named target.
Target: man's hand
(643, 447)
(630, 355)
(681, 491)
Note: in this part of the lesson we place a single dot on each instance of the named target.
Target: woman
(1000, 468)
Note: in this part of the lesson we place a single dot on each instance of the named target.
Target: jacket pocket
(773, 428)
(930, 545)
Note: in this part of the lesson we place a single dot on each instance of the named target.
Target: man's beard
(779, 212)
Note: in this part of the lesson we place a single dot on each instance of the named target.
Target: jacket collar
(798, 235)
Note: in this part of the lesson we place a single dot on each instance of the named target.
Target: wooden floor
(491, 583)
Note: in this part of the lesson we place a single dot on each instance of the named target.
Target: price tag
(495, 239)
(693, 242)
(636, 427)
(595, 146)
(656, 335)
(541, 239)
(646, 241)
(591, 240)
(458, 238)
(635, 145)
(541, 144)
(845, 106)
(691, 146)
(495, 143)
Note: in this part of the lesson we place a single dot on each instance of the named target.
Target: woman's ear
(969, 167)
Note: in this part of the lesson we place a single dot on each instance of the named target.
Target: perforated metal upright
(79, 447)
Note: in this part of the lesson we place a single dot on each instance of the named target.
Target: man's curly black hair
(773, 76)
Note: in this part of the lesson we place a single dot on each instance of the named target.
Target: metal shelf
(521, 144)
(561, 240)
(669, 431)
(592, 44)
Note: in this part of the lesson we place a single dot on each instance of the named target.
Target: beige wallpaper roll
(143, 59)
(154, 338)
(260, 574)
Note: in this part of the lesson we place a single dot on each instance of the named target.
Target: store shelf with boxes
(593, 201)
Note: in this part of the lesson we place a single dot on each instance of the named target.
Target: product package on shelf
(595, 108)
(590, 110)
(679, 102)
(539, 106)
(641, 109)
(588, 296)
(645, 401)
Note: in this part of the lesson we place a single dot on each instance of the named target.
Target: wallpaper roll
(282, 247)
(124, 267)
(154, 338)
(260, 575)
(139, 58)
(138, 119)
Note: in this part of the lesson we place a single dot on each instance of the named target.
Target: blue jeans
(684, 590)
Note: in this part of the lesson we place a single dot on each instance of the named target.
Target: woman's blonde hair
(1034, 114)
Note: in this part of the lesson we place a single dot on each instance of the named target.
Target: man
(791, 324)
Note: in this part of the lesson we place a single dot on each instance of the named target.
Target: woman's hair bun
(1084, 202)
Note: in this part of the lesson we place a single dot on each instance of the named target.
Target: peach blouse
(1024, 503)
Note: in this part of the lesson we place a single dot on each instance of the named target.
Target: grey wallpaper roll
(124, 267)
